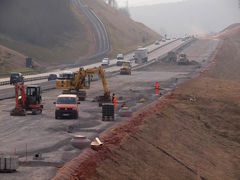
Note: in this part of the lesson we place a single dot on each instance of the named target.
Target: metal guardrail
(51, 84)
(3, 83)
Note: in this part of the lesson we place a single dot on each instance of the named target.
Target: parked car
(119, 62)
(16, 77)
(66, 106)
(105, 62)
(157, 43)
(52, 77)
(120, 57)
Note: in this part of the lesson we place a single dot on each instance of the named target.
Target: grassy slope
(10, 59)
(39, 37)
(50, 37)
(125, 33)
(203, 133)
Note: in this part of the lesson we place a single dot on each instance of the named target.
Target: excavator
(78, 82)
(28, 101)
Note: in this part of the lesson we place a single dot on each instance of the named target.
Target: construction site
(168, 109)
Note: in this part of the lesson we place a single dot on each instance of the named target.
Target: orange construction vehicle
(29, 101)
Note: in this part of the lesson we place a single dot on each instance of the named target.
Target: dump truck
(126, 68)
(140, 55)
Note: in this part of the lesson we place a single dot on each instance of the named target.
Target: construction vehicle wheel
(76, 116)
(81, 98)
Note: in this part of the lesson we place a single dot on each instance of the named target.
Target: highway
(156, 51)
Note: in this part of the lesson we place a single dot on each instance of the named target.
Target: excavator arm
(100, 72)
(20, 86)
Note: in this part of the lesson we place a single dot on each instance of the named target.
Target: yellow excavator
(78, 82)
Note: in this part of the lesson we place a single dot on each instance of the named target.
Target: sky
(188, 16)
(133, 3)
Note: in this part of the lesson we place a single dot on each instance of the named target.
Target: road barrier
(3, 83)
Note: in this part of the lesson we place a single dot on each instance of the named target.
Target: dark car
(52, 77)
(16, 77)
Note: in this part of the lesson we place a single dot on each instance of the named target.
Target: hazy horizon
(135, 3)
(188, 17)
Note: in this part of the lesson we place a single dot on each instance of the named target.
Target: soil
(191, 133)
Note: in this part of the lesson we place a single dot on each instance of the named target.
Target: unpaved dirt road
(44, 134)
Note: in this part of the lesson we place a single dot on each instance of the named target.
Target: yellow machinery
(78, 82)
(126, 68)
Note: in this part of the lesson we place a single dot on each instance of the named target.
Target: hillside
(54, 32)
(48, 31)
(124, 32)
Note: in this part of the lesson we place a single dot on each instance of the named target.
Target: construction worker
(114, 100)
(156, 88)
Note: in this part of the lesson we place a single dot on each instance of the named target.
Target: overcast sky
(132, 3)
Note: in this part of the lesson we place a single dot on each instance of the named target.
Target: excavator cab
(33, 95)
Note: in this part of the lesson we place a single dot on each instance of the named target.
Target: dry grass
(67, 47)
(125, 33)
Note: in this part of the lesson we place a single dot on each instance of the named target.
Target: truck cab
(105, 62)
(16, 77)
(66, 106)
(141, 55)
(183, 60)
(126, 68)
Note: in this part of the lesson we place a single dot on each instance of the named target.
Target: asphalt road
(44, 134)
(7, 91)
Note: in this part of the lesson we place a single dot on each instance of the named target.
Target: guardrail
(3, 83)
(51, 84)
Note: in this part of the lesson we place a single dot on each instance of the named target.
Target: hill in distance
(54, 32)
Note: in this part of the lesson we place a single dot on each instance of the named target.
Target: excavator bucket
(18, 111)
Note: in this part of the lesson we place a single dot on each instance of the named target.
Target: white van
(105, 62)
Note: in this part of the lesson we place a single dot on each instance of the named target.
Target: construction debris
(80, 141)
(125, 111)
(142, 100)
(96, 144)
(8, 164)
(38, 156)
